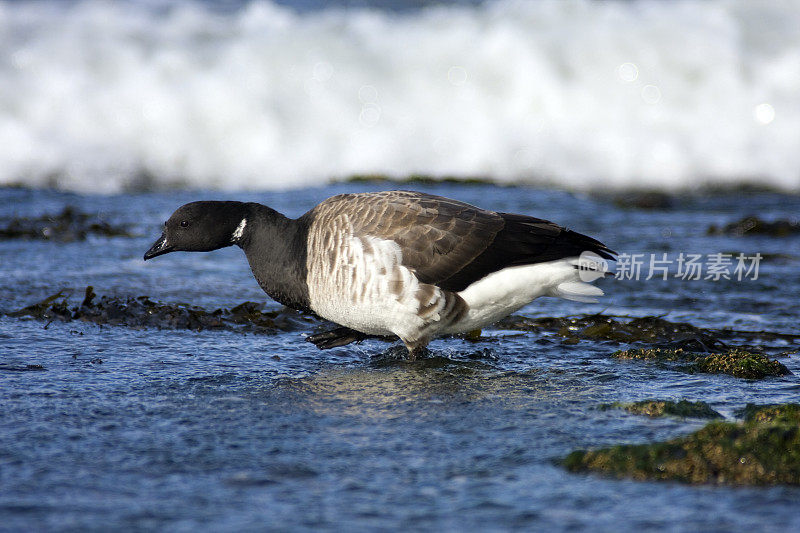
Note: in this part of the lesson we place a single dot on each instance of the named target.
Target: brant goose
(395, 263)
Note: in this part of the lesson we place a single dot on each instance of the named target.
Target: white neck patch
(237, 234)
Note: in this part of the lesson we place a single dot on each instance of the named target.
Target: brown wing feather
(438, 236)
(450, 243)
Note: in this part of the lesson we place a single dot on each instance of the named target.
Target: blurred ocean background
(110, 96)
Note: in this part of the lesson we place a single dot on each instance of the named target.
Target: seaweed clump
(659, 408)
(735, 362)
(762, 450)
(649, 329)
(680, 345)
(753, 225)
(650, 200)
(67, 226)
(788, 413)
(21, 368)
(141, 312)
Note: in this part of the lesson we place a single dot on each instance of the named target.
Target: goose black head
(201, 227)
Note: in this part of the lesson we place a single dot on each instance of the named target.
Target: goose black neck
(275, 247)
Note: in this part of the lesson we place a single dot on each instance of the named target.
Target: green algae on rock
(760, 451)
(659, 408)
(67, 226)
(741, 364)
(753, 225)
(650, 200)
(788, 413)
(139, 312)
(735, 362)
(648, 329)
(598, 327)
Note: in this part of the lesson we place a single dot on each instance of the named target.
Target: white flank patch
(237, 234)
(367, 288)
(503, 292)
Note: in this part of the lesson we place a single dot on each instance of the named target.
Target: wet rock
(788, 413)
(246, 479)
(659, 408)
(653, 331)
(51, 307)
(67, 226)
(473, 336)
(734, 362)
(762, 450)
(21, 368)
(605, 328)
(753, 225)
(141, 312)
(643, 200)
(742, 364)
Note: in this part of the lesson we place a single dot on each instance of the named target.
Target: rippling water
(180, 430)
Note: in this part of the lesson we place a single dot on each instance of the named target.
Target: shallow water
(143, 428)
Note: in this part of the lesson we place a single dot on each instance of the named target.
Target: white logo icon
(591, 266)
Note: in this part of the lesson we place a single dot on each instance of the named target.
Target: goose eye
(184, 223)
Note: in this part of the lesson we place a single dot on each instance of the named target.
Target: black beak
(160, 247)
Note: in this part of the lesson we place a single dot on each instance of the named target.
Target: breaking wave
(106, 96)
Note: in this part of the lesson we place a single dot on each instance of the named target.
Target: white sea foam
(95, 95)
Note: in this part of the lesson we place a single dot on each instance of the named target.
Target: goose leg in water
(336, 337)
